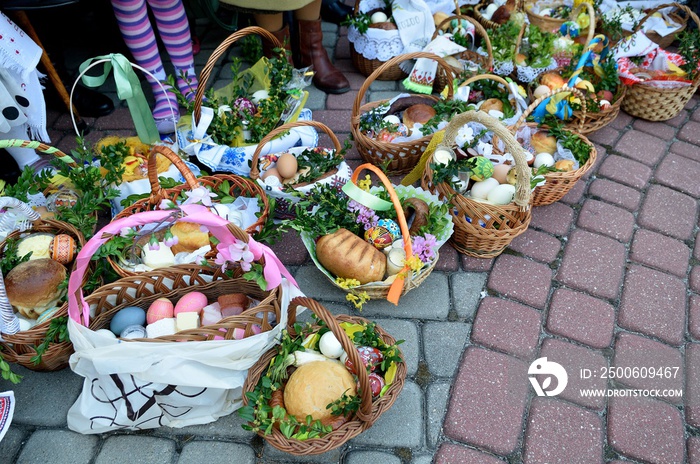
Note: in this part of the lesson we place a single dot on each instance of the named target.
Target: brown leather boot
(311, 52)
(283, 36)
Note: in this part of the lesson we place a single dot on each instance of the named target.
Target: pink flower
(153, 244)
(170, 240)
(126, 231)
(237, 252)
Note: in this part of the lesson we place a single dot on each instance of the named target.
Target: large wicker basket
(666, 41)
(558, 184)
(369, 411)
(483, 230)
(20, 347)
(238, 186)
(487, 23)
(484, 62)
(549, 24)
(658, 104)
(399, 158)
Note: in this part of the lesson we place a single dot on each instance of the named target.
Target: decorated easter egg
(62, 248)
(192, 302)
(403, 130)
(62, 198)
(481, 168)
(379, 236)
(392, 227)
(244, 107)
(162, 308)
(125, 317)
(46, 315)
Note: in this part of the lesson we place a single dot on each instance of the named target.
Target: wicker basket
(239, 186)
(369, 411)
(487, 23)
(483, 230)
(484, 62)
(549, 24)
(401, 157)
(20, 347)
(558, 184)
(656, 104)
(666, 41)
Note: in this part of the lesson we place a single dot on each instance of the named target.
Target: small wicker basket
(549, 24)
(401, 157)
(660, 104)
(483, 230)
(487, 23)
(667, 40)
(369, 411)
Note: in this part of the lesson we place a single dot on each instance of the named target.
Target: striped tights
(174, 30)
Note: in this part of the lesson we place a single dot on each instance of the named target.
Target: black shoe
(10, 171)
(91, 103)
(335, 11)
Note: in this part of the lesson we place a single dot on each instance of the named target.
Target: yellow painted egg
(192, 302)
(287, 165)
(162, 308)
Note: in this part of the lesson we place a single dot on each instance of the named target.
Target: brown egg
(272, 172)
(500, 172)
(287, 165)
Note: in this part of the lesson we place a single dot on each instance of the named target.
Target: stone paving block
(694, 450)
(12, 442)
(290, 249)
(383, 85)
(592, 263)
(646, 429)
(581, 317)
(32, 402)
(450, 453)
(342, 49)
(448, 261)
(678, 120)
(641, 146)
(437, 395)
(605, 136)
(601, 154)
(363, 457)
(336, 120)
(691, 393)
(660, 251)
(606, 219)
(316, 285)
(401, 426)
(625, 171)
(213, 452)
(119, 119)
(574, 358)
(139, 449)
(694, 317)
(59, 447)
(653, 303)
(443, 343)
(272, 454)
(316, 102)
(466, 292)
(555, 218)
(408, 332)
(633, 351)
(622, 120)
(228, 427)
(686, 149)
(537, 245)
(470, 263)
(690, 132)
(575, 195)
(658, 129)
(429, 301)
(340, 102)
(560, 432)
(488, 401)
(497, 317)
(422, 459)
(615, 193)
(679, 173)
(521, 279)
(380, 95)
(677, 221)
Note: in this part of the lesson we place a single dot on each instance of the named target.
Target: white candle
(443, 155)
(395, 261)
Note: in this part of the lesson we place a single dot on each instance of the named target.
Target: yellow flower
(357, 299)
(365, 184)
(347, 283)
(521, 91)
(583, 20)
(414, 263)
(579, 2)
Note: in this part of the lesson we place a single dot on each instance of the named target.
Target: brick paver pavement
(604, 283)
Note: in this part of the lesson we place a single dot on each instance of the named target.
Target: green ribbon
(129, 89)
(366, 198)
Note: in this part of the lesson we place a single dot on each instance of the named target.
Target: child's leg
(175, 33)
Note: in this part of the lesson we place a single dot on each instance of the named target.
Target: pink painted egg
(192, 302)
(162, 308)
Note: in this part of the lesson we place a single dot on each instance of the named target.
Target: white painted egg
(106, 333)
(482, 189)
(259, 96)
(162, 308)
(192, 302)
(378, 17)
(330, 346)
(544, 159)
(392, 119)
(541, 91)
(501, 194)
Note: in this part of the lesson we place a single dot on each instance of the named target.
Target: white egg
(489, 11)
(330, 346)
(544, 159)
(482, 189)
(259, 96)
(392, 119)
(106, 332)
(496, 114)
(501, 194)
(378, 17)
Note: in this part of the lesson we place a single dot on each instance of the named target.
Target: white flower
(199, 195)
(223, 109)
(484, 149)
(465, 136)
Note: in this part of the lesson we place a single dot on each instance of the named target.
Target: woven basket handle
(591, 14)
(365, 411)
(689, 13)
(217, 53)
(447, 69)
(42, 147)
(492, 77)
(522, 185)
(396, 286)
(156, 189)
(536, 103)
(255, 169)
(478, 28)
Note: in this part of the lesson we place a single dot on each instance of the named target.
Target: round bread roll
(189, 237)
(543, 143)
(314, 386)
(492, 104)
(420, 113)
(33, 286)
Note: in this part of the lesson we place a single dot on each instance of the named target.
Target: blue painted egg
(131, 315)
(392, 227)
